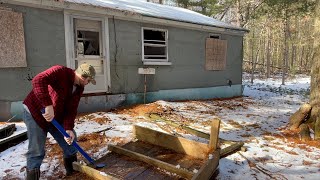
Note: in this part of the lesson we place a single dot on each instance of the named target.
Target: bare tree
(315, 76)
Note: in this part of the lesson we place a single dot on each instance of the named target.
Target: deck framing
(209, 152)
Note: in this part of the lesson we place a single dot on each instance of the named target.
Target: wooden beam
(14, 137)
(154, 162)
(210, 166)
(184, 127)
(230, 149)
(7, 131)
(234, 145)
(214, 135)
(178, 144)
(190, 130)
(95, 174)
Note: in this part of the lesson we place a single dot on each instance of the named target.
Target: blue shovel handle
(74, 143)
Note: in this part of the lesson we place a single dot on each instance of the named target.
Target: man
(57, 90)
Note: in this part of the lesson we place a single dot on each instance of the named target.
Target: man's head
(85, 73)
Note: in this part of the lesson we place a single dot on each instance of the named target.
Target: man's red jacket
(54, 87)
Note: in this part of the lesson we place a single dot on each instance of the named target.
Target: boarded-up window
(216, 54)
(12, 44)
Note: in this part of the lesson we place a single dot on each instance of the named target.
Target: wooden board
(15, 138)
(12, 46)
(7, 131)
(154, 162)
(124, 167)
(166, 155)
(157, 156)
(214, 135)
(209, 167)
(177, 144)
(216, 54)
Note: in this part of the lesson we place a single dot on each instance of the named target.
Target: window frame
(215, 36)
(79, 57)
(166, 45)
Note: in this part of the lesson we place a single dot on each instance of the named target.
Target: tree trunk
(252, 56)
(268, 52)
(301, 59)
(285, 57)
(315, 76)
(293, 56)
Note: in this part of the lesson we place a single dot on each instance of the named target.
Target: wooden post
(214, 135)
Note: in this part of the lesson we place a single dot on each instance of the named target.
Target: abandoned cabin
(142, 51)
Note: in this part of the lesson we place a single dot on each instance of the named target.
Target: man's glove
(49, 113)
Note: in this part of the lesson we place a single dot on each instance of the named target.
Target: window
(88, 48)
(215, 36)
(12, 43)
(216, 54)
(154, 45)
(88, 43)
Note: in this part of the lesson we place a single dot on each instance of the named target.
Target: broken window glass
(88, 43)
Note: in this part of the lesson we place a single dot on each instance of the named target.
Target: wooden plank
(184, 127)
(140, 147)
(187, 128)
(7, 131)
(216, 54)
(126, 167)
(12, 46)
(92, 172)
(13, 137)
(153, 173)
(166, 155)
(177, 144)
(208, 169)
(151, 161)
(230, 149)
(214, 135)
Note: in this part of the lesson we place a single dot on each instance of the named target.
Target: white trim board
(69, 41)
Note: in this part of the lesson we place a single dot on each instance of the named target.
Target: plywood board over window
(12, 44)
(216, 54)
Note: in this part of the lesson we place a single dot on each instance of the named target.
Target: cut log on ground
(298, 117)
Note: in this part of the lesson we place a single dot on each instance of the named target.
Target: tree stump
(304, 132)
(317, 129)
(298, 117)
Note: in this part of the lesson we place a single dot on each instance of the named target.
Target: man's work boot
(33, 174)
(68, 164)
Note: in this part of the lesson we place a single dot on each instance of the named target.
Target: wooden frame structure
(207, 154)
